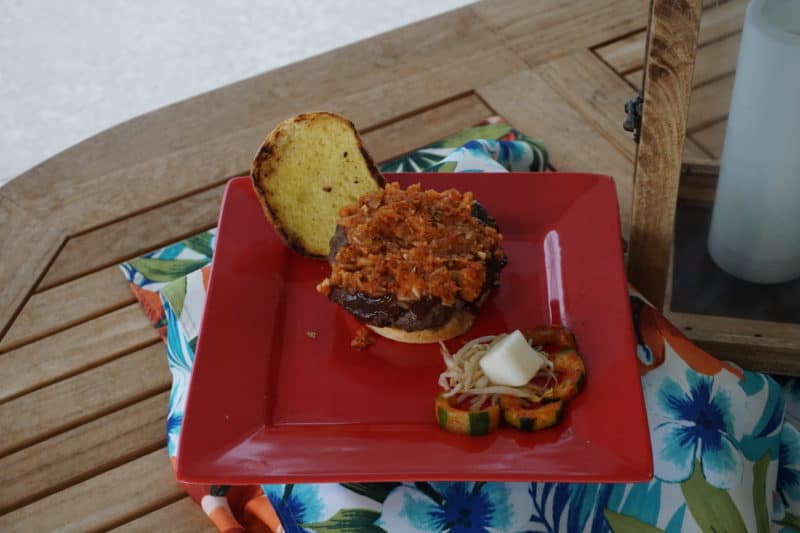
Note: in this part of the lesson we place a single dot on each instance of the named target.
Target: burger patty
(425, 313)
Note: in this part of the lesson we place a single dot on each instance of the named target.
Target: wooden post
(669, 65)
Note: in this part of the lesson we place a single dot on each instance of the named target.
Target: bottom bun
(457, 325)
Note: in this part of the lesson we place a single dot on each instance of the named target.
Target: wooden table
(83, 377)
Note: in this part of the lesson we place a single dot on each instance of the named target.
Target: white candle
(755, 227)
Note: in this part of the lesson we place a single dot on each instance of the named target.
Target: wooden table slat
(716, 60)
(547, 29)
(712, 138)
(28, 245)
(627, 54)
(83, 452)
(64, 306)
(596, 92)
(183, 516)
(74, 350)
(107, 500)
(129, 237)
(721, 21)
(549, 116)
(424, 127)
(710, 103)
(693, 151)
(83, 397)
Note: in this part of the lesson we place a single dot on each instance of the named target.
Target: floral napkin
(725, 444)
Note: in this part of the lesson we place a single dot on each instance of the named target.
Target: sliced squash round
(454, 419)
(557, 337)
(570, 372)
(529, 416)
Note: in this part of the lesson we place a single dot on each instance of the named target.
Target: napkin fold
(725, 441)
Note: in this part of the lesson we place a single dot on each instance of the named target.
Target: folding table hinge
(633, 122)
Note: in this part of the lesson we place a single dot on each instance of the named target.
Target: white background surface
(71, 69)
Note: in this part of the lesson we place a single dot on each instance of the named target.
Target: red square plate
(268, 403)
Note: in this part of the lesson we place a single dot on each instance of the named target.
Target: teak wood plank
(693, 151)
(28, 245)
(547, 29)
(73, 350)
(671, 52)
(596, 92)
(710, 103)
(712, 138)
(131, 237)
(721, 21)
(82, 452)
(183, 516)
(83, 397)
(635, 78)
(427, 126)
(370, 82)
(186, 216)
(716, 59)
(66, 305)
(572, 143)
(109, 499)
(627, 54)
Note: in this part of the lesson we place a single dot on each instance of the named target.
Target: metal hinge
(633, 122)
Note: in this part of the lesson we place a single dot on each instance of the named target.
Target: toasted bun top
(307, 169)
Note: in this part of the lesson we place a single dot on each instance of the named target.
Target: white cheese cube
(512, 361)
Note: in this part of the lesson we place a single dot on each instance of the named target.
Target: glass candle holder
(755, 226)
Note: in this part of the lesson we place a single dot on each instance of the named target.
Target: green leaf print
(790, 520)
(450, 166)
(414, 161)
(166, 269)
(374, 491)
(201, 243)
(760, 493)
(622, 523)
(175, 293)
(348, 521)
(487, 131)
(712, 508)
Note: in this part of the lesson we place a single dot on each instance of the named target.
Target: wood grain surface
(28, 246)
(83, 378)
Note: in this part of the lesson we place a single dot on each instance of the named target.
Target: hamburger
(414, 265)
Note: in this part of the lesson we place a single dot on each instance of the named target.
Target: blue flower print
(455, 508)
(312, 507)
(789, 470)
(791, 391)
(690, 419)
(295, 505)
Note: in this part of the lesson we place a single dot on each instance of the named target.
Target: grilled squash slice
(307, 169)
(527, 416)
(454, 419)
(570, 372)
